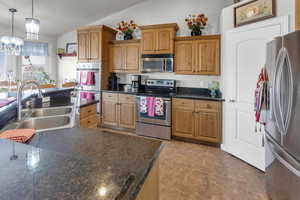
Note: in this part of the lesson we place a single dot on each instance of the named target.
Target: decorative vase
(196, 32)
(128, 37)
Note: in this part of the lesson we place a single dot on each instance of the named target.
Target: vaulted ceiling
(60, 16)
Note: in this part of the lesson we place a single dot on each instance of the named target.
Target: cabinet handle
(232, 100)
(89, 111)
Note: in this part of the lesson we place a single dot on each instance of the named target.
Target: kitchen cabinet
(119, 110)
(297, 14)
(158, 39)
(93, 41)
(88, 116)
(124, 56)
(197, 55)
(197, 119)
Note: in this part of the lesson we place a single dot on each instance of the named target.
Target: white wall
(66, 66)
(157, 12)
(52, 42)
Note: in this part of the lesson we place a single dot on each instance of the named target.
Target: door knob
(232, 101)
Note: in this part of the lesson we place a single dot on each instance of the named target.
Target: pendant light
(11, 45)
(32, 26)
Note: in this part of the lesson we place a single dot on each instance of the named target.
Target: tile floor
(198, 172)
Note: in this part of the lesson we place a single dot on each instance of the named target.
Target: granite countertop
(187, 93)
(120, 92)
(76, 163)
(85, 102)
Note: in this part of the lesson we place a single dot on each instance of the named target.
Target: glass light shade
(11, 45)
(32, 27)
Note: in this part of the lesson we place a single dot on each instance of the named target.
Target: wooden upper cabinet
(124, 56)
(132, 57)
(204, 58)
(116, 57)
(93, 41)
(297, 14)
(149, 41)
(158, 39)
(83, 45)
(184, 62)
(95, 44)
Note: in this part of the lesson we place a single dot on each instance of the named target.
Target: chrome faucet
(19, 97)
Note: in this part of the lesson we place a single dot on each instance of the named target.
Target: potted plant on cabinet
(196, 23)
(127, 29)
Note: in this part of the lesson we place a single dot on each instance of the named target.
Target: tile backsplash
(192, 81)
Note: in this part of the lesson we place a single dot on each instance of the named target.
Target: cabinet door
(95, 45)
(165, 41)
(83, 45)
(148, 41)
(127, 115)
(208, 57)
(184, 62)
(116, 58)
(297, 14)
(132, 57)
(183, 122)
(207, 126)
(109, 109)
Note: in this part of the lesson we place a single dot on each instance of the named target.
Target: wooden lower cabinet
(88, 116)
(118, 110)
(197, 119)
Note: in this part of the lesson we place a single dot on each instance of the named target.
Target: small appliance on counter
(154, 109)
(136, 83)
(113, 82)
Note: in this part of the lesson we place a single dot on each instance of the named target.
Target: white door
(244, 56)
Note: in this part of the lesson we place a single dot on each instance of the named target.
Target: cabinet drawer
(89, 122)
(106, 96)
(186, 104)
(206, 105)
(126, 98)
(88, 111)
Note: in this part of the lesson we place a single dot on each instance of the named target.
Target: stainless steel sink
(45, 123)
(46, 119)
(45, 112)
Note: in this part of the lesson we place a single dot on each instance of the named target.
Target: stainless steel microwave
(157, 63)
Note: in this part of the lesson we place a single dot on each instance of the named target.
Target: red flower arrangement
(127, 28)
(196, 23)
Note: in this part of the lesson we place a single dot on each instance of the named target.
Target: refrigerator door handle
(290, 92)
(276, 93)
(285, 159)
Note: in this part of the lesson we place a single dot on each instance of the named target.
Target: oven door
(164, 119)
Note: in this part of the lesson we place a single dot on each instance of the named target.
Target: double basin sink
(45, 119)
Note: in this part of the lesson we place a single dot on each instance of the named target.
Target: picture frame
(254, 11)
(71, 48)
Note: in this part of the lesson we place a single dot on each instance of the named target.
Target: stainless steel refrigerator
(283, 118)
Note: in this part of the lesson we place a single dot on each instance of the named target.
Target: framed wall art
(254, 11)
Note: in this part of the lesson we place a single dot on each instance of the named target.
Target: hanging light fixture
(11, 45)
(32, 26)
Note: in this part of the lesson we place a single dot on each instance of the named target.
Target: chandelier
(32, 26)
(11, 45)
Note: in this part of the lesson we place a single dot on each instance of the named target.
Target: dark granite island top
(78, 164)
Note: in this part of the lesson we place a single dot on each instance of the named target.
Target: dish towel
(159, 107)
(83, 95)
(90, 96)
(90, 78)
(18, 135)
(4, 102)
(83, 78)
(151, 106)
(143, 105)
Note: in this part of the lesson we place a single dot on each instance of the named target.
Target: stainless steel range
(154, 109)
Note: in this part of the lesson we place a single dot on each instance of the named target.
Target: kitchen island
(80, 163)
